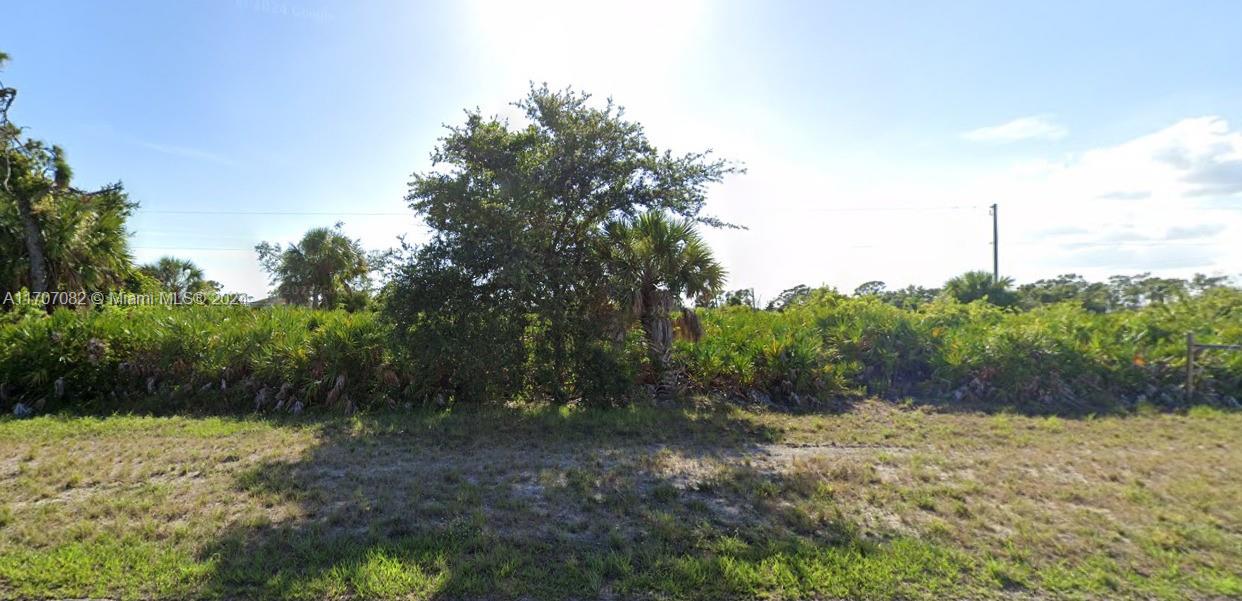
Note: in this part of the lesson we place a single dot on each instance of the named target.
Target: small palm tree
(657, 261)
(975, 285)
(326, 269)
(179, 276)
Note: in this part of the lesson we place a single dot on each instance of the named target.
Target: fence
(1192, 348)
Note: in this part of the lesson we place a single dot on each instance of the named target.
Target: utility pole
(995, 247)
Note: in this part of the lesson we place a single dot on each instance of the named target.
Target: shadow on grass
(553, 504)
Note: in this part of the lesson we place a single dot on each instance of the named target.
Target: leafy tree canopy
(517, 214)
(788, 297)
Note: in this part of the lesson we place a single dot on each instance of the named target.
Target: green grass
(704, 502)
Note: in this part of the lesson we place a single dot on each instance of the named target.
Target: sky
(875, 134)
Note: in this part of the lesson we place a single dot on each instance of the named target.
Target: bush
(197, 357)
(1055, 358)
(780, 354)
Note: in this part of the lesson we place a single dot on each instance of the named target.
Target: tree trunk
(556, 331)
(34, 246)
(657, 304)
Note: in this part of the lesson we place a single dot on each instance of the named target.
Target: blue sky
(1109, 133)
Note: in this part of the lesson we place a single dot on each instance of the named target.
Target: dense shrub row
(218, 357)
(1053, 358)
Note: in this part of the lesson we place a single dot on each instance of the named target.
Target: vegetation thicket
(514, 295)
(1053, 358)
(823, 349)
(563, 255)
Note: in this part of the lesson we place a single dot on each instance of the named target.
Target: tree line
(1117, 293)
(553, 241)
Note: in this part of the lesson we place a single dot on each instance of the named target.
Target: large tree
(655, 263)
(325, 270)
(59, 238)
(516, 213)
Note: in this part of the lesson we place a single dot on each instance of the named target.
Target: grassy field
(704, 503)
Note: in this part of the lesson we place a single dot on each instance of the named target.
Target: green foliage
(744, 297)
(179, 276)
(653, 251)
(511, 291)
(654, 262)
(213, 358)
(910, 297)
(82, 233)
(138, 282)
(1055, 358)
(789, 296)
(781, 354)
(1093, 296)
(979, 285)
(325, 270)
(55, 236)
(1119, 293)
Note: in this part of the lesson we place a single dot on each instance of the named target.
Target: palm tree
(975, 285)
(55, 236)
(326, 269)
(63, 239)
(656, 261)
(179, 276)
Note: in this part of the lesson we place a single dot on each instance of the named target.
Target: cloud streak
(186, 152)
(1034, 127)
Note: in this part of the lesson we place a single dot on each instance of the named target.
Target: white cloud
(1162, 202)
(1196, 157)
(1035, 127)
(1167, 200)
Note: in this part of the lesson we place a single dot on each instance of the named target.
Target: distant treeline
(1117, 293)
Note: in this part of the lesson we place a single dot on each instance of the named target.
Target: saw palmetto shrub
(782, 355)
(1041, 359)
(209, 358)
(1055, 358)
(890, 350)
(1064, 358)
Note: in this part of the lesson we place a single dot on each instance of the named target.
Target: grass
(706, 502)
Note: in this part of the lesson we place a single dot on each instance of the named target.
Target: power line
(190, 248)
(877, 209)
(319, 213)
(1073, 245)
